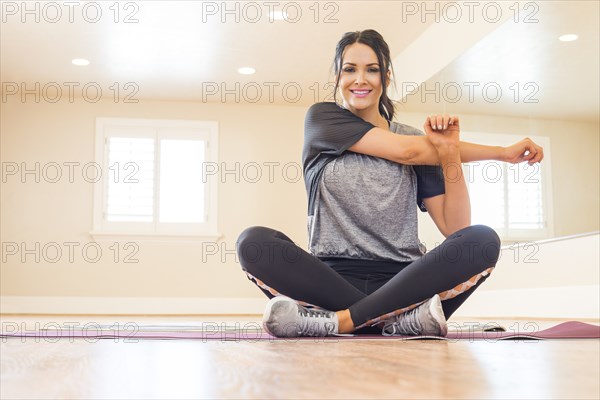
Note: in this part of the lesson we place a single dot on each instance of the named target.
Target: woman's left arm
(452, 211)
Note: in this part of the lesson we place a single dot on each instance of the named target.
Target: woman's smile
(361, 93)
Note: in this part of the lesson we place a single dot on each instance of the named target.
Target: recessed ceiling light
(568, 38)
(277, 15)
(246, 70)
(80, 62)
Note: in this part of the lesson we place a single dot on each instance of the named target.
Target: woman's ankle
(345, 323)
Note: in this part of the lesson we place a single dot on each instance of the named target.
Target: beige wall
(62, 212)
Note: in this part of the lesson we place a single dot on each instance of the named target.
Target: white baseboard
(557, 302)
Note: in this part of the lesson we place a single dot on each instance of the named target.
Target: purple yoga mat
(132, 332)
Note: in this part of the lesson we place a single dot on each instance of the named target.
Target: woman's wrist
(451, 151)
(501, 153)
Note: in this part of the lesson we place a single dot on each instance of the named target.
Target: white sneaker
(284, 317)
(426, 319)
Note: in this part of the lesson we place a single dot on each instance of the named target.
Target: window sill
(173, 238)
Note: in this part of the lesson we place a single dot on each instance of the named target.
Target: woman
(367, 270)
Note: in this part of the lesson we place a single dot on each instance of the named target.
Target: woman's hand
(442, 130)
(525, 150)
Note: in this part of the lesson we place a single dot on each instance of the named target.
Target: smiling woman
(361, 86)
(365, 173)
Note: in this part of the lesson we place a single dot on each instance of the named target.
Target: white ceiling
(538, 75)
(180, 51)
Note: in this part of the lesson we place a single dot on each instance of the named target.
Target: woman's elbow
(408, 155)
(418, 154)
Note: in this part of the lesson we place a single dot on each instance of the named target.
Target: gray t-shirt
(360, 206)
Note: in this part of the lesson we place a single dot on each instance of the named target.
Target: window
(153, 182)
(514, 199)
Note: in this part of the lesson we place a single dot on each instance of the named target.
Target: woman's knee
(252, 234)
(252, 237)
(484, 238)
(490, 242)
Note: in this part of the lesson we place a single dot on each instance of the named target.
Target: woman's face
(360, 79)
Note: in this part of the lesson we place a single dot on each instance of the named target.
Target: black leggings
(371, 290)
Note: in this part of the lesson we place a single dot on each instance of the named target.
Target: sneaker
(286, 318)
(426, 319)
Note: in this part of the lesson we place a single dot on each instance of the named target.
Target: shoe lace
(404, 324)
(316, 322)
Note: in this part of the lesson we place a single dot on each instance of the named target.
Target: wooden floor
(342, 369)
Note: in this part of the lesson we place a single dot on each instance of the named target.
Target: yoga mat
(253, 332)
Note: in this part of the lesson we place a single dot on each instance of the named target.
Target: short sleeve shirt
(360, 206)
